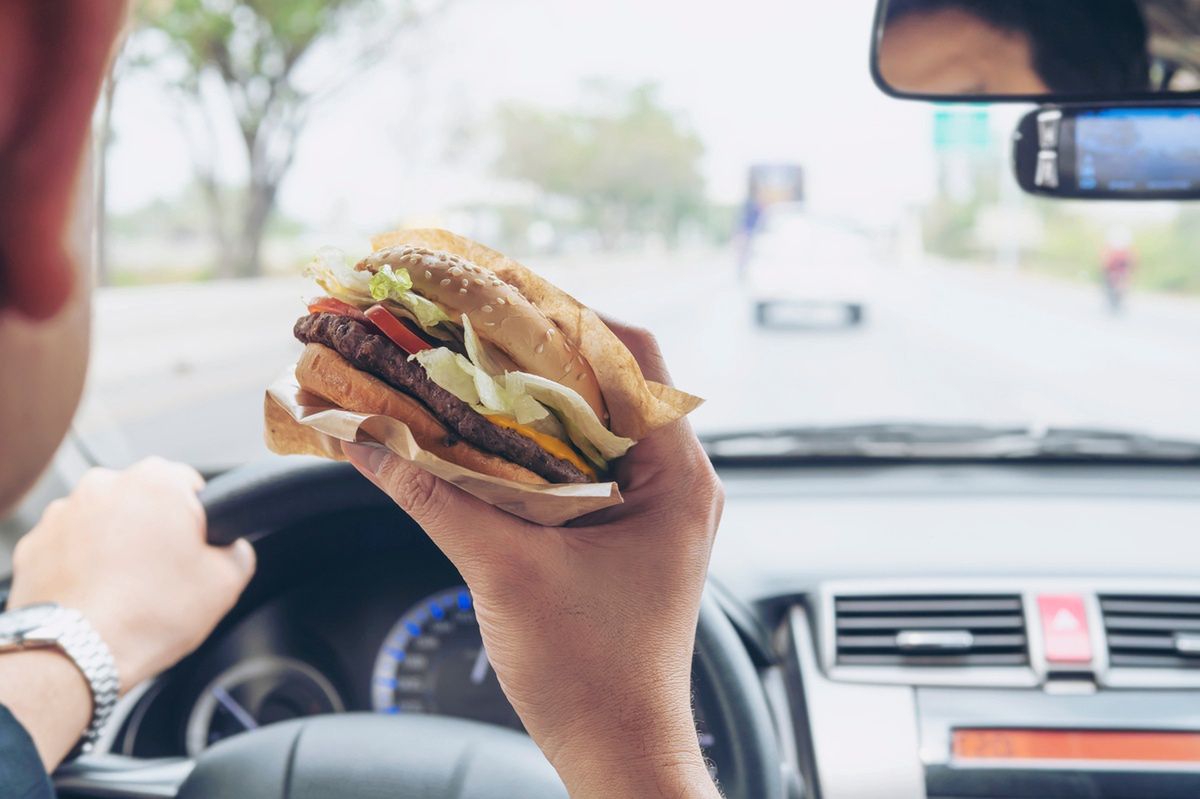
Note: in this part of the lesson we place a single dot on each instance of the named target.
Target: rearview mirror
(1037, 50)
(1106, 153)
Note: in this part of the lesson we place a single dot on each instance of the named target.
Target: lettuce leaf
(454, 373)
(386, 283)
(484, 393)
(583, 426)
(397, 287)
(476, 350)
(339, 279)
(476, 380)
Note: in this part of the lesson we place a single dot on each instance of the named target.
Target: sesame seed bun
(636, 406)
(499, 313)
(325, 373)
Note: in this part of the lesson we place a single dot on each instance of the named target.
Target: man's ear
(57, 61)
(39, 287)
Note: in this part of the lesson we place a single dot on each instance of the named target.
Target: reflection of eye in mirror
(1037, 49)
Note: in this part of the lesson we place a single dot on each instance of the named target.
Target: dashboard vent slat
(930, 622)
(1152, 632)
(1168, 624)
(930, 630)
(983, 641)
(1151, 661)
(926, 605)
(1121, 641)
(1011, 659)
(1163, 607)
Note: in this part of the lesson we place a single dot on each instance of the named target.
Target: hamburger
(438, 332)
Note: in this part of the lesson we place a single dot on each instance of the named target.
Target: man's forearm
(50, 697)
(650, 756)
(667, 779)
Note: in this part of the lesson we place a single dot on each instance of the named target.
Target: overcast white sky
(758, 80)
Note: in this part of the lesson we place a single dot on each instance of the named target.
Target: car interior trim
(852, 725)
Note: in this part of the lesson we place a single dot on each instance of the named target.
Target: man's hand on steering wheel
(590, 628)
(127, 550)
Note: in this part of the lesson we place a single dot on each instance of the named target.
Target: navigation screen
(1138, 149)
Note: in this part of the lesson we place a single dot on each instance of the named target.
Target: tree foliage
(245, 57)
(628, 166)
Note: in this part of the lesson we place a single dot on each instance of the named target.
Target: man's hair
(1079, 46)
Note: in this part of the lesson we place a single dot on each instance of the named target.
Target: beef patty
(365, 349)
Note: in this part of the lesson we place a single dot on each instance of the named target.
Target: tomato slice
(335, 306)
(396, 330)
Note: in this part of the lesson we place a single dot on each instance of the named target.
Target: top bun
(499, 313)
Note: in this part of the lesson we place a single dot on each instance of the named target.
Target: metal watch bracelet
(84, 646)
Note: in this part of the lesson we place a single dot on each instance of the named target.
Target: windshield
(808, 251)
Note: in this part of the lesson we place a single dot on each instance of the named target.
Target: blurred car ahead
(808, 271)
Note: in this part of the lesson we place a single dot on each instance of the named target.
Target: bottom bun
(325, 373)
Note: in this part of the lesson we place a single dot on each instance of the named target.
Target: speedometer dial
(433, 661)
(256, 693)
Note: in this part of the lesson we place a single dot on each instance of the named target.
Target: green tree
(627, 165)
(243, 57)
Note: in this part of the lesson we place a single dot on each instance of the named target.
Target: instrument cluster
(391, 632)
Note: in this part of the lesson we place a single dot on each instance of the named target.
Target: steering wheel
(365, 755)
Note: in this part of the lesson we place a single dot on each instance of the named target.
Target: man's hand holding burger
(590, 628)
(492, 369)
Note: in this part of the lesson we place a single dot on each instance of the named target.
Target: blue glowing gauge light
(433, 661)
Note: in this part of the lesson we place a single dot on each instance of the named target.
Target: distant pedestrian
(747, 226)
(1117, 264)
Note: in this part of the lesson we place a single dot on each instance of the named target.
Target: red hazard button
(1065, 636)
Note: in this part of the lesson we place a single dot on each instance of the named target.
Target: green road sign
(961, 129)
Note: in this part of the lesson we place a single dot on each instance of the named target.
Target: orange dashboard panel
(1099, 745)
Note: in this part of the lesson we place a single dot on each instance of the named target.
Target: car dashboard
(978, 630)
(357, 612)
(919, 631)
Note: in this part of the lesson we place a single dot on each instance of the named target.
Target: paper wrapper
(302, 423)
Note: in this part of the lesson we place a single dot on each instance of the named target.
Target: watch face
(15, 622)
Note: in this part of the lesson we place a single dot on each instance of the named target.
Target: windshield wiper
(946, 442)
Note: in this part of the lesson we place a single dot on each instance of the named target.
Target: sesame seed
(490, 324)
(486, 308)
(550, 333)
(480, 281)
(456, 270)
(462, 291)
(444, 282)
(567, 371)
(466, 282)
(428, 275)
(539, 349)
(499, 300)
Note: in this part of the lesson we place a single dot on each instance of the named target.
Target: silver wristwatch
(48, 625)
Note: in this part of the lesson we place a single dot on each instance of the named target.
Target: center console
(998, 688)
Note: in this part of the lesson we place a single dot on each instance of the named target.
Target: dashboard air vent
(938, 630)
(1152, 631)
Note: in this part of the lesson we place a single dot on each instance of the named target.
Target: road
(180, 370)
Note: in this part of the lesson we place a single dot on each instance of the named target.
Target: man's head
(993, 47)
(54, 59)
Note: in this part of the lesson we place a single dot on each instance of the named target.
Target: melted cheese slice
(557, 448)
